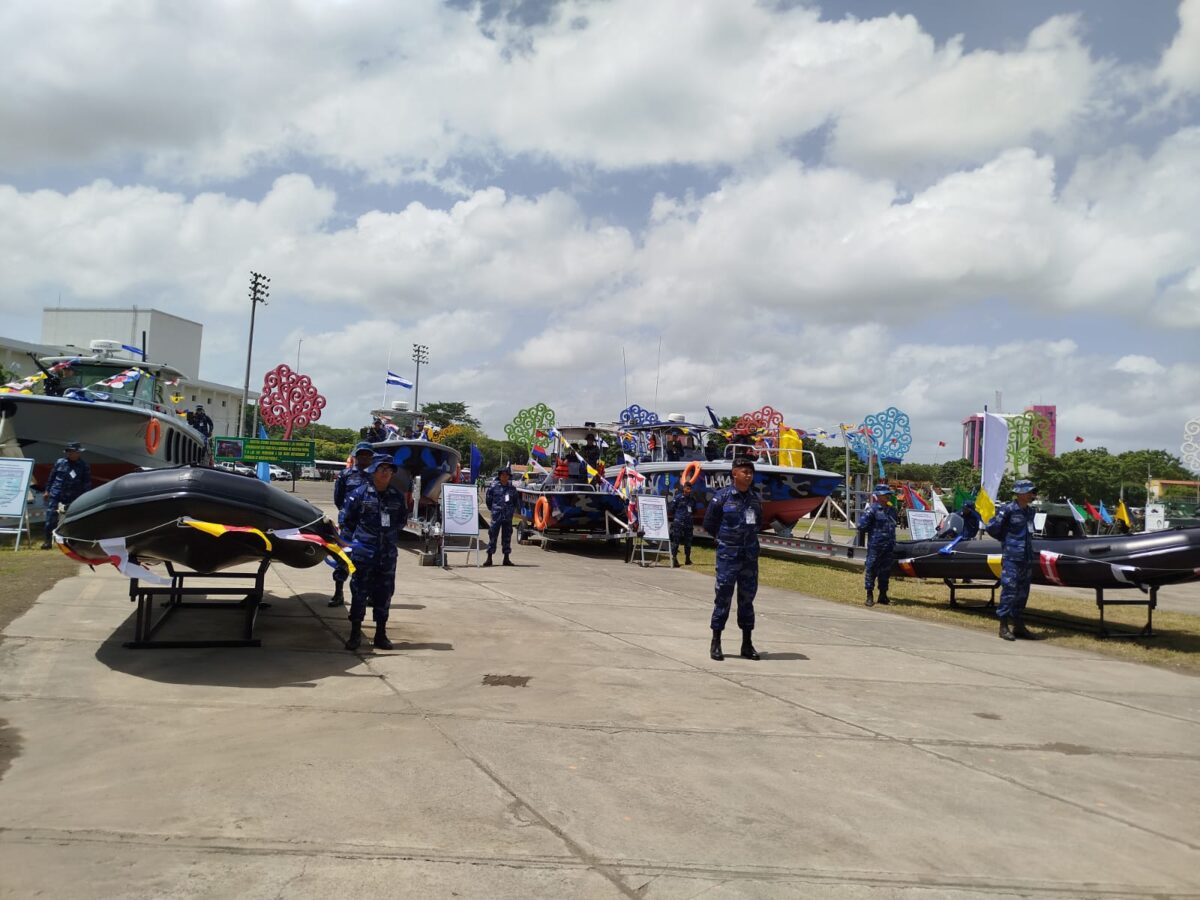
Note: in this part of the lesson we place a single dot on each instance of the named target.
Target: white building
(165, 338)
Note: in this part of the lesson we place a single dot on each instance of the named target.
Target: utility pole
(420, 355)
(259, 292)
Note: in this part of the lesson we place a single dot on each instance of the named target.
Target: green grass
(1175, 644)
(25, 574)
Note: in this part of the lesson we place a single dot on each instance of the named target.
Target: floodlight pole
(420, 354)
(259, 292)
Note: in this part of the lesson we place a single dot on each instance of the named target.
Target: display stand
(958, 584)
(146, 626)
(15, 475)
(460, 524)
(652, 541)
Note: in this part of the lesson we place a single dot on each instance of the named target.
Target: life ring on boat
(541, 514)
(153, 436)
(691, 473)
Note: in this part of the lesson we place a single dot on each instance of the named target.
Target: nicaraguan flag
(393, 378)
(136, 351)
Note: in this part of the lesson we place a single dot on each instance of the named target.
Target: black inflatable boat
(1112, 561)
(205, 519)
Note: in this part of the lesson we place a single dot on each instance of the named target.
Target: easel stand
(21, 528)
(957, 585)
(649, 551)
(1150, 602)
(457, 543)
(251, 593)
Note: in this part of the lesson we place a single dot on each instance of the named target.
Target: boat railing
(771, 456)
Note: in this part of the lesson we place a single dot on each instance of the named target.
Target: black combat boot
(1005, 631)
(748, 651)
(46, 544)
(687, 557)
(355, 640)
(674, 561)
(338, 598)
(1020, 631)
(488, 561)
(883, 599)
(381, 639)
(714, 649)
(507, 561)
(870, 598)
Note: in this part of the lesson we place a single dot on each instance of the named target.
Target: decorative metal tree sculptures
(289, 400)
(527, 422)
(635, 415)
(766, 419)
(1191, 445)
(887, 434)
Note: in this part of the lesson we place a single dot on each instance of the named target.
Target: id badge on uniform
(385, 519)
(749, 517)
(72, 473)
(507, 498)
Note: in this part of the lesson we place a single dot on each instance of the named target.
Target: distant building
(166, 339)
(1045, 432)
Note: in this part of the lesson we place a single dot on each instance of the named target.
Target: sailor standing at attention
(501, 501)
(683, 516)
(733, 518)
(374, 517)
(971, 521)
(878, 524)
(348, 479)
(69, 478)
(1012, 526)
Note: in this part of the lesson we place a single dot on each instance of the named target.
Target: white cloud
(1179, 69)
(1134, 364)
(404, 90)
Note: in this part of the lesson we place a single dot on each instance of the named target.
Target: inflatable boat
(205, 519)
(1110, 561)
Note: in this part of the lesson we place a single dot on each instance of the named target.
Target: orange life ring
(691, 473)
(541, 514)
(153, 436)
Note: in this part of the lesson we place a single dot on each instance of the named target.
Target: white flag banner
(995, 453)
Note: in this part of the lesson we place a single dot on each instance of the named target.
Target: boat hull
(146, 509)
(113, 435)
(434, 464)
(1112, 561)
(787, 494)
(575, 514)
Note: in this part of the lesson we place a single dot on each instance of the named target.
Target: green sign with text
(256, 450)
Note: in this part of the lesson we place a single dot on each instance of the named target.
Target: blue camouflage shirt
(1013, 528)
(734, 518)
(372, 521)
(501, 500)
(878, 522)
(68, 480)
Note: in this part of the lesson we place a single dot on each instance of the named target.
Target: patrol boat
(787, 488)
(573, 508)
(425, 462)
(113, 405)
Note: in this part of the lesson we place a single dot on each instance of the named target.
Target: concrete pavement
(557, 730)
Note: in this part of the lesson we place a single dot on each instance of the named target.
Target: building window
(209, 401)
(222, 403)
(193, 398)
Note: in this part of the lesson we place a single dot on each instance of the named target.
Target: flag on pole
(1092, 511)
(539, 453)
(136, 351)
(713, 417)
(398, 380)
(1076, 512)
(984, 505)
(995, 454)
(1078, 439)
(476, 462)
(1122, 514)
(941, 443)
(1105, 515)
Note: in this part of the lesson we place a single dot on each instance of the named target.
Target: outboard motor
(951, 528)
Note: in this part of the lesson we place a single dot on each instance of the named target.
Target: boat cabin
(96, 378)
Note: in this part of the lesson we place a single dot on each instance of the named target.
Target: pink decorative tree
(765, 419)
(289, 399)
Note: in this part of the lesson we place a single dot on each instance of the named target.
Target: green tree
(449, 412)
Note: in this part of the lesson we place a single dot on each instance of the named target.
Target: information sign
(652, 515)
(15, 474)
(922, 525)
(256, 450)
(460, 509)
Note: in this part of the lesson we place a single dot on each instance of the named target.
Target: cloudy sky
(830, 208)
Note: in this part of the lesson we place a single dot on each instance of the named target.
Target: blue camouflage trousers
(1015, 577)
(736, 567)
(681, 535)
(372, 584)
(879, 566)
(501, 526)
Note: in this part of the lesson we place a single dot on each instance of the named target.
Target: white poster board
(652, 516)
(460, 509)
(922, 525)
(15, 475)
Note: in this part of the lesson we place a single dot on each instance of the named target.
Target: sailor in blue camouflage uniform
(69, 478)
(733, 518)
(972, 521)
(1012, 526)
(373, 518)
(683, 517)
(348, 479)
(878, 525)
(501, 501)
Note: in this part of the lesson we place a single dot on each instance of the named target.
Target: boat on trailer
(787, 488)
(426, 463)
(113, 405)
(575, 508)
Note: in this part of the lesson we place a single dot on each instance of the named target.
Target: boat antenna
(658, 372)
(625, 369)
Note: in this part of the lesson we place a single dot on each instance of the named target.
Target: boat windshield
(95, 382)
